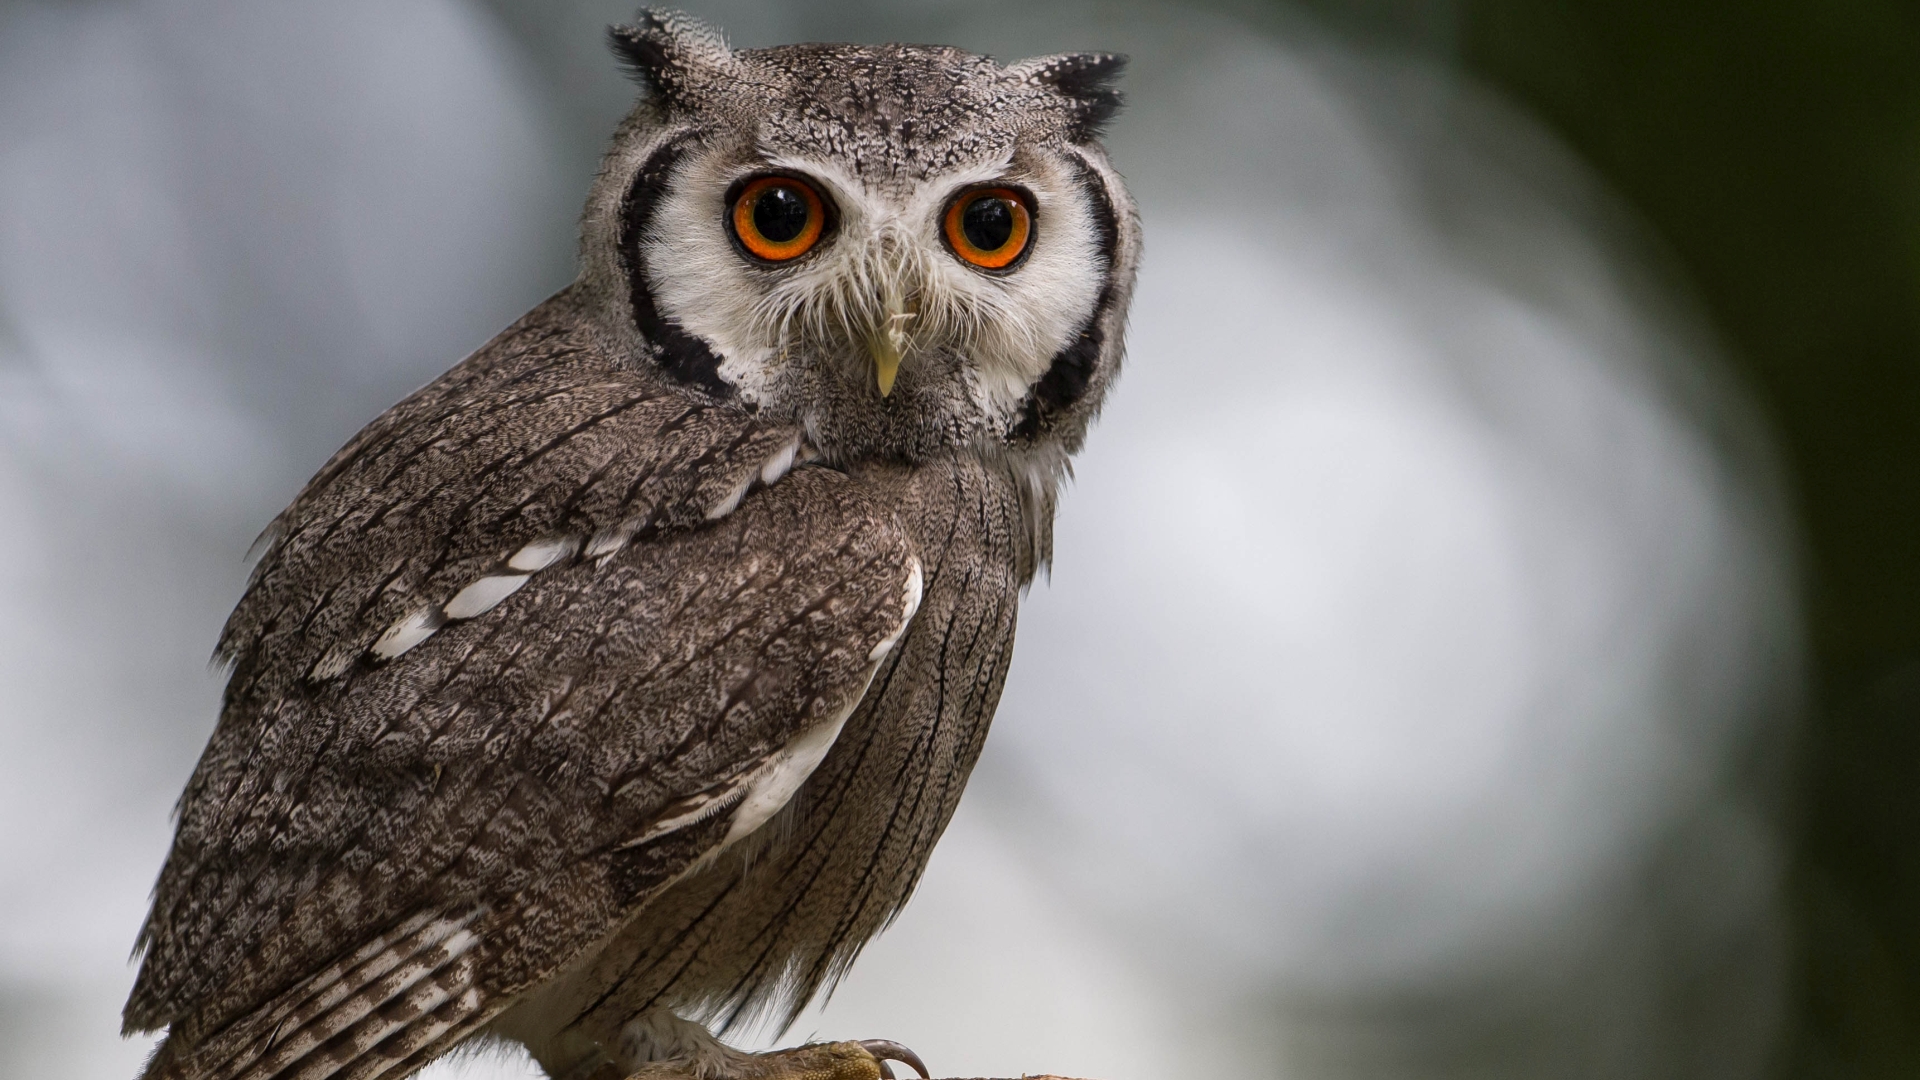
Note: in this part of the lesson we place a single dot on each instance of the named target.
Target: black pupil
(780, 214)
(987, 223)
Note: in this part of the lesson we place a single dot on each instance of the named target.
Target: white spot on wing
(777, 465)
(916, 587)
(541, 554)
(407, 633)
(481, 596)
(916, 582)
(773, 784)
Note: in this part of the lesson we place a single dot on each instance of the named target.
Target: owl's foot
(886, 1050)
(864, 1060)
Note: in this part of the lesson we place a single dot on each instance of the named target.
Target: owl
(611, 691)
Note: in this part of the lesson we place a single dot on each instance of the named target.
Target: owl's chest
(777, 917)
(893, 776)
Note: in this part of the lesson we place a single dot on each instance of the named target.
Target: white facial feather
(886, 254)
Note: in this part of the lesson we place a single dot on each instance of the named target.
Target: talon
(885, 1050)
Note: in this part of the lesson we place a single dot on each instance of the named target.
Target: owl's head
(911, 250)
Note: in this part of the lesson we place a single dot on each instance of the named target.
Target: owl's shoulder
(537, 440)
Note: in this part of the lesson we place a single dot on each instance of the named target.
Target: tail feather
(409, 1049)
(291, 1014)
(362, 1017)
(338, 1020)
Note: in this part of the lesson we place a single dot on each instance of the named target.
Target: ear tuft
(1086, 80)
(669, 52)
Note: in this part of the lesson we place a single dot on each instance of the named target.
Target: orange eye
(989, 227)
(778, 218)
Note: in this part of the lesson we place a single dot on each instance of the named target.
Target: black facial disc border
(1072, 370)
(685, 357)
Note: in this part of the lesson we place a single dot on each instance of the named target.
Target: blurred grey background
(1474, 719)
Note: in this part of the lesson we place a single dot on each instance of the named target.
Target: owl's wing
(505, 673)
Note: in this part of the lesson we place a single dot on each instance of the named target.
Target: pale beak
(889, 343)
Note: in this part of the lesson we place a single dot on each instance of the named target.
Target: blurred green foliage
(1774, 145)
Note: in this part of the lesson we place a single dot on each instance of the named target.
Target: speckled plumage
(524, 671)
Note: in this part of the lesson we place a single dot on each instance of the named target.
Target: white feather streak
(541, 554)
(406, 633)
(772, 785)
(777, 465)
(483, 595)
(916, 582)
